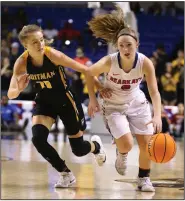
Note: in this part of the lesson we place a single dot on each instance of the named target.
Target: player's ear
(24, 45)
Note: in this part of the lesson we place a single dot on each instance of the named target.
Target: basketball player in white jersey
(126, 111)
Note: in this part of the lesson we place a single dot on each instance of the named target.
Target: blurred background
(161, 33)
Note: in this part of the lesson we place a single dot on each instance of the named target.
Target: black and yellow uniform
(169, 85)
(54, 98)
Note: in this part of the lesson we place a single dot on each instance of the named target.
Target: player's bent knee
(125, 147)
(40, 135)
(125, 143)
(143, 148)
(79, 146)
(129, 146)
(79, 134)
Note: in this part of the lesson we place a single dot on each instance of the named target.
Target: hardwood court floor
(25, 175)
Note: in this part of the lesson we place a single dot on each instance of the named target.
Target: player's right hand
(22, 82)
(105, 93)
(157, 124)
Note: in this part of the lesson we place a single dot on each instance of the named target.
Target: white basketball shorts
(130, 117)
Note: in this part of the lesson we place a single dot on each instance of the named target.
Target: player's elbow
(87, 72)
(154, 93)
(90, 72)
(11, 94)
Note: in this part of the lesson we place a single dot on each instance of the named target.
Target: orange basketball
(161, 148)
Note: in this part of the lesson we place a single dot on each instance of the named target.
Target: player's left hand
(157, 124)
(22, 81)
(93, 107)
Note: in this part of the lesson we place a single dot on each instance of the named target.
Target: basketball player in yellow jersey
(127, 111)
(43, 67)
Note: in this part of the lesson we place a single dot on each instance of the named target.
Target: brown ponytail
(110, 26)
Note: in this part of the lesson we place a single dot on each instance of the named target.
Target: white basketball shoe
(101, 156)
(145, 185)
(121, 163)
(66, 179)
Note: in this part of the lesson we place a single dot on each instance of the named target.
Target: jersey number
(44, 84)
(126, 87)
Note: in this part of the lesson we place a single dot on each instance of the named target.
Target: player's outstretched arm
(58, 58)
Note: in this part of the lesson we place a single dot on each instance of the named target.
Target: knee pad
(40, 135)
(79, 146)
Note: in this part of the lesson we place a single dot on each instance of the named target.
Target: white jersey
(125, 86)
(127, 111)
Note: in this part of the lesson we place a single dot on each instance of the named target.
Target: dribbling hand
(157, 124)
